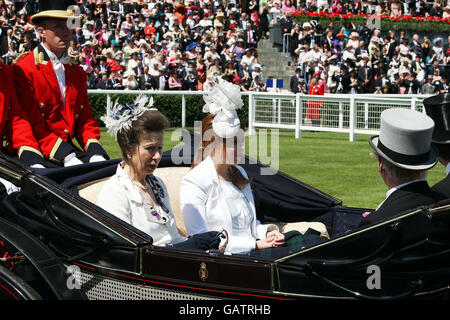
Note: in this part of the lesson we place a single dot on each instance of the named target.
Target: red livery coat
(14, 125)
(54, 123)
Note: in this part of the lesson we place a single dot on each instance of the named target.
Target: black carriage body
(114, 260)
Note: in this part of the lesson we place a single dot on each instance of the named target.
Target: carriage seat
(171, 177)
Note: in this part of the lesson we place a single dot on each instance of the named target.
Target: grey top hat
(405, 139)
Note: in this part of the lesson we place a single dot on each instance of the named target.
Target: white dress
(211, 204)
(120, 197)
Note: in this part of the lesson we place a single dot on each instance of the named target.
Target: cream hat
(223, 101)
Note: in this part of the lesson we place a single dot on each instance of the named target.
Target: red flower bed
(412, 18)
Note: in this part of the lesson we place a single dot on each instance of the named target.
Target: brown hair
(150, 120)
(236, 176)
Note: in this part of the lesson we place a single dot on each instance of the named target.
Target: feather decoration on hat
(223, 101)
(224, 97)
(119, 117)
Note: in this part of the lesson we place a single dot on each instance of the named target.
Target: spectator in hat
(238, 81)
(341, 79)
(215, 67)
(354, 40)
(130, 82)
(405, 154)
(352, 85)
(374, 49)
(313, 110)
(257, 72)
(437, 107)
(174, 81)
(190, 81)
(410, 84)
(295, 79)
(103, 83)
(365, 76)
(191, 52)
(230, 71)
(333, 69)
(428, 87)
(115, 79)
(219, 22)
(146, 82)
(257, 85)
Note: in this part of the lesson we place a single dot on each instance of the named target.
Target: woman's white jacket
(120, 197)
(205, 207)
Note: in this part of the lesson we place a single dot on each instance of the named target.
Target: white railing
(352, 114)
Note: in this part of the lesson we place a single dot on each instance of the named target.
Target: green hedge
(169, 105)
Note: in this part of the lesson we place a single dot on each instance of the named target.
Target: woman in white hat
(354, 40)
(130, 82)
(216, 193)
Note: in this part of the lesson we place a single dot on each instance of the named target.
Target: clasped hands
(273, 239)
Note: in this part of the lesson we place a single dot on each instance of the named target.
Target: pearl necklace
(140, 185)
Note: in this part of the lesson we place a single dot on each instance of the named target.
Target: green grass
(326, 161)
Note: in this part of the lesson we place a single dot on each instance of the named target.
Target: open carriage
(57, 244)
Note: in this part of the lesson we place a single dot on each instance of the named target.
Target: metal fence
(352, 114)
(345, 113)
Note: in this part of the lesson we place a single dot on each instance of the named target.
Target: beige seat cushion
(171, 177)
(90, 190)
(303, 226)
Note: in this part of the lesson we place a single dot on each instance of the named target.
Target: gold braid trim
(20, 56)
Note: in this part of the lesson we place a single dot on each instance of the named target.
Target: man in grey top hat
(404, 154)
(438, 108)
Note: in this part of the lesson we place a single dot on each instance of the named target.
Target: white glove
(97, 158)
(37, 166)
(71, 160)
(10, 188)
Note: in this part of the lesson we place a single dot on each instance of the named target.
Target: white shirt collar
(58, 67)
(392, 190)
(53, 58)
(447, 169)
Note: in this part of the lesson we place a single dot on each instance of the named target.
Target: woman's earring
(128, 156)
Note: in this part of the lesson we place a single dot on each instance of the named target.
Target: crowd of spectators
(361, 60)
(184, 45)
(152, 44)
(351, 59)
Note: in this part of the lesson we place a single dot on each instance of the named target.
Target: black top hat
(438, 108)
(60, 9)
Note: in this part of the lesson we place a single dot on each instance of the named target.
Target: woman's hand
(276, 236)
(265, 244)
